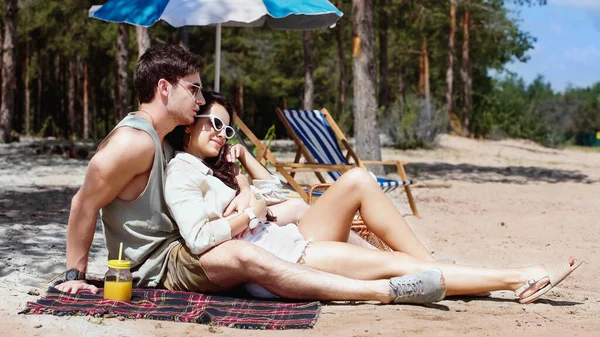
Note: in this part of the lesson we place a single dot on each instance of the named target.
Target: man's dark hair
(170, 62)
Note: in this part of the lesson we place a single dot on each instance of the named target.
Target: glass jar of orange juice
(118, 281)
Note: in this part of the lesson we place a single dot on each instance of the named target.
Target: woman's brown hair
(222, 169)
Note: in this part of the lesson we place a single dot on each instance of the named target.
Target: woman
(198, 197)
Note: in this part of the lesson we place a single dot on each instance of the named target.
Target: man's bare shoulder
(126, 154)
(129, 140)
(127, 146)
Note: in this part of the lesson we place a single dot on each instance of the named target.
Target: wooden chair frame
(303, 151)
(287, 170)
(264, 155)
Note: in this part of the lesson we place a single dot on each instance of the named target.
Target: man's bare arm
(127, 154)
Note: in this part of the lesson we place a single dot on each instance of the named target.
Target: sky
(567, 51)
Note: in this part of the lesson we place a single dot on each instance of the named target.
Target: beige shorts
(185, 273)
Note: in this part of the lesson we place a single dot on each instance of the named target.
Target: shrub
(414, 123)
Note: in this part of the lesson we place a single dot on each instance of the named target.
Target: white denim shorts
(285, 242)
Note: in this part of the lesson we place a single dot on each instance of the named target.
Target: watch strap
(74, 275)
(250, 214)
(253, 219)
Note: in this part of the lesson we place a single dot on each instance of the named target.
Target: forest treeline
(66, 75)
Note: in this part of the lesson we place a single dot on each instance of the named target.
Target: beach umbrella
(278, 14)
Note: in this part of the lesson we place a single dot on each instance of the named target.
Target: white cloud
(577, 3)
(556, 28)
(587, 55)
(594, 4)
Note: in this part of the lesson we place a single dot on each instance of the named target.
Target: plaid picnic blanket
(181, 306)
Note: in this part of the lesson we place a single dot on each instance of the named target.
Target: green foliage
(414, 123)
(49, 128)
(270, 136)
(536, 112)
(267, 67)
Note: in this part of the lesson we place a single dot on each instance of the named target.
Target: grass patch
(587, 149)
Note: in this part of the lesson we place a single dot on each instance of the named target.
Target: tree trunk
(94, 116)
(71, 99)
(427, 86)
(61, 115)
(309, 89)
(93, 104)
(122, 56)
(450, 103)
(384, 87)
(8, 71)
(38, 107)
(27, 89)
(1, 57)
(342, 65)
(107, 126)
(143, 39)
(184, 38)
(421, 73)
(465, 74)
(364, 105)
(402, 89)
(86, 105)
(238, 99)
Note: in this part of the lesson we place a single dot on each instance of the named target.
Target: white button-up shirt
(197, 200)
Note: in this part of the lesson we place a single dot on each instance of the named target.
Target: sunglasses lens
(217, 123)
(229, 132)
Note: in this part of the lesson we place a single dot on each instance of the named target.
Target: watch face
(253, 223)
(72, 274)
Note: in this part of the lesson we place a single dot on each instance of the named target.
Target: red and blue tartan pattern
(167, 305)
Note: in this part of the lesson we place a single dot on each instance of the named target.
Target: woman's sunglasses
(218, 125)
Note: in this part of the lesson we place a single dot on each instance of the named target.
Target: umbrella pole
(218, 59)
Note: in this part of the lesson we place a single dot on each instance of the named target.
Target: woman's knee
(357, 177)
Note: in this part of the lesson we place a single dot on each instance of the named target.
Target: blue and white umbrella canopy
(278, 14)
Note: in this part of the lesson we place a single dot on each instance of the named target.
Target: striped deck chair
(264, 156)
(287, 170)
(316, 135)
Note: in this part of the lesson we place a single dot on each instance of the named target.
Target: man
(125, 179)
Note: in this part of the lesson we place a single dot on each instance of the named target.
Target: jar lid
(119, 264)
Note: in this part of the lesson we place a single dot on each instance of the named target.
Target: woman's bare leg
(357, 240)
(329, 219)
(293, 210)
(289, 211)
(366, 264)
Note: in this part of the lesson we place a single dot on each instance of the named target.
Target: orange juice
(119, 291)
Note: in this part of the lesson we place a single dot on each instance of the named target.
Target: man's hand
(74, 286)
(240, 202)
(236, 151)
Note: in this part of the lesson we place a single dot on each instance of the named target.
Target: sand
(489, 203)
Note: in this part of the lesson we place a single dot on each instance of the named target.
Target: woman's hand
(236, 151)
(259, 208)
(242, 201)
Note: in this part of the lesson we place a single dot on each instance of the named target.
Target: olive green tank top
(144, 225)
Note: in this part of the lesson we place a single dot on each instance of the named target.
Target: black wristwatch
(74, 274)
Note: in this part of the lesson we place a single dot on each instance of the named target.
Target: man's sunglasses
(218, 125)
